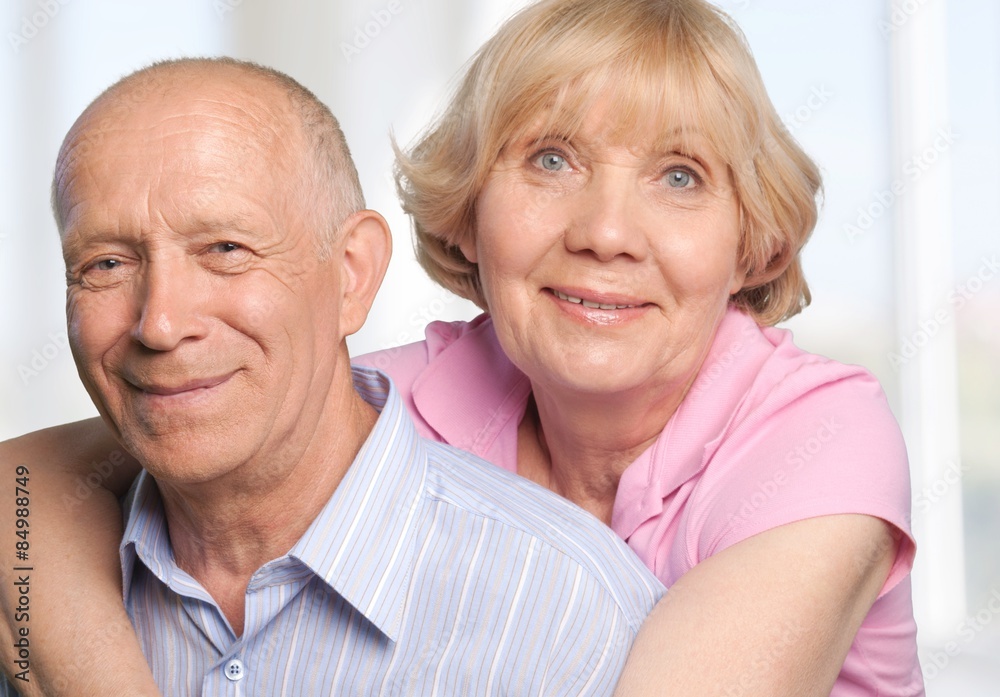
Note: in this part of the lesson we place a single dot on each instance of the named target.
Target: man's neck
(223, 531)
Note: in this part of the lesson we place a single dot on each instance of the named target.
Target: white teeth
(570, 298)
(589, 303)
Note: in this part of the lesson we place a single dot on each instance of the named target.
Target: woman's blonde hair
(682, 63)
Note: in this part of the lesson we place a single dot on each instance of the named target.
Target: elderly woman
(612, 185)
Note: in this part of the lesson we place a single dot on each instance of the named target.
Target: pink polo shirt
(767, 435)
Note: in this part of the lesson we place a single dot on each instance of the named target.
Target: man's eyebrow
(238, 223)
(75, 244)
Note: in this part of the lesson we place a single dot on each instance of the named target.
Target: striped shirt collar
(377, 500)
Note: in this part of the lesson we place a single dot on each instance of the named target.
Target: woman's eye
(552, 162)
(679, 179)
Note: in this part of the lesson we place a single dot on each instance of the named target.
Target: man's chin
(184, 458)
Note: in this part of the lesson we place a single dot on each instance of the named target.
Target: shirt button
(235, 670)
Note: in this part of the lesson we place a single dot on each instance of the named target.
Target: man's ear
(364, 248)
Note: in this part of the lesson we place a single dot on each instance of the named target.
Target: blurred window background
(898, 101)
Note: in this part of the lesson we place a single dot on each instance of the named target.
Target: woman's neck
(579, 447)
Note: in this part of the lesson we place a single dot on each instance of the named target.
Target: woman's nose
(606, 218)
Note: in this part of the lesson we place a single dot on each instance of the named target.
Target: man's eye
(104, 273)
(551, 162)
(226, 257)
(104, 265)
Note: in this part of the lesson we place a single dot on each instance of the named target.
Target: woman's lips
(596, 309)
(597, 301)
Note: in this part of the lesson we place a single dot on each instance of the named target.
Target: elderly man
(292, 535)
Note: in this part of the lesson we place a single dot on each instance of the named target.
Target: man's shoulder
(475, 487)
(471, 483)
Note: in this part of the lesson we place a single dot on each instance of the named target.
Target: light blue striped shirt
(429, 572)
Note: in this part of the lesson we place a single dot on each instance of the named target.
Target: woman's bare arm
(772, 616)
(71, 623)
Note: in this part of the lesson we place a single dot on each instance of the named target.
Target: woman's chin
(600, 372)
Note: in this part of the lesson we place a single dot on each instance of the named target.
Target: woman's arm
(773, 615)
(79, 640)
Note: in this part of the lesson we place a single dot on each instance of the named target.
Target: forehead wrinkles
(244, 127)
(244, 137)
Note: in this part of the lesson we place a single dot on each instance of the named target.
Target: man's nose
(605, 219)
(171, 304)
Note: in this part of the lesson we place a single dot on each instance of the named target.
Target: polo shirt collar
(697, 428)
(470, 390)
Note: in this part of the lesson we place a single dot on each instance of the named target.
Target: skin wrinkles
(206, 326)
(207, 346)
(243, 127)
(608, 232)
(605, 226)
(644, 143)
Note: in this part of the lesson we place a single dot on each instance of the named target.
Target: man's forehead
(194, 107)
(192, 128)
(181, 134)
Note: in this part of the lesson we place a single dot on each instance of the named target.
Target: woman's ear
(739, 280)
(364, 247)
(468, 247)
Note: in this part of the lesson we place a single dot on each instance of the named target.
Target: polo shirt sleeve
(821, 440)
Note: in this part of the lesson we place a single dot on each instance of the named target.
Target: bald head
(268, 112)
(193, 199)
